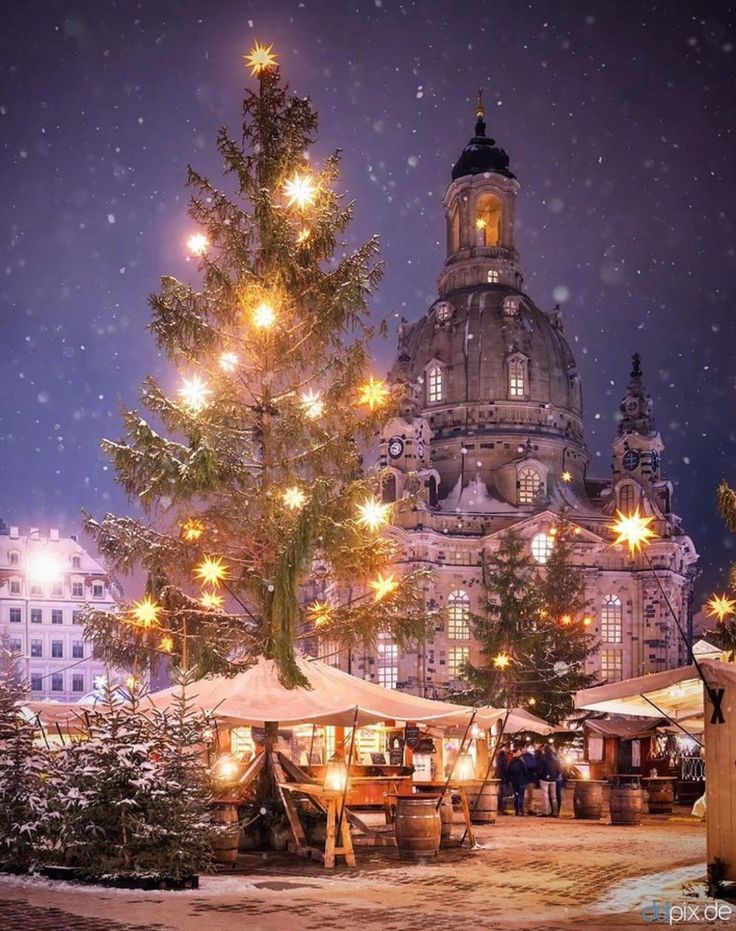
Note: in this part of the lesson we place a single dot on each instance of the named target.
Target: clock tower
(637, 451)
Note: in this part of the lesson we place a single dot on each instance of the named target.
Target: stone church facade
(492, 438)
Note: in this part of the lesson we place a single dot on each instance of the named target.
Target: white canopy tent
(257, 695)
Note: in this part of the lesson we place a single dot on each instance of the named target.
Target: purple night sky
(617, 117)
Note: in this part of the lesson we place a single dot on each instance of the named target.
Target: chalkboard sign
(258, 735)
(411, 735)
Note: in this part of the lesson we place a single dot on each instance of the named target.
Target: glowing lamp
(132, 682)
(587, 621)
(303, 235)
(228, 361)
(481, 223)
(260, 59)
(294, 498)
(383, 585)
(43, 569)
(502, 661)
(373, 393)
(720, 606)
(146, 612)
(226, 768)
(192, 530)
(319, 612)
(264, 316)
(197, 243)
(465, 767)
(566, 477)
(336, 774)
(166, 644)
(373, 513)
(300, 191)
(312, 404)
(211, 571)
(212, 602)
(194, 392)
(633, 530)
(532, 701)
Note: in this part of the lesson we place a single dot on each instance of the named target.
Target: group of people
(521, 769)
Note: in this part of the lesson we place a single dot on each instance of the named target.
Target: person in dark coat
(530, 761)
(519, 779)
(549, 774)
(502, 774)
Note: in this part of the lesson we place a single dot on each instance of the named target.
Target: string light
(195, 393)
(312, 404)
(383, 585)
(300, 191)
(211, 571)
(146, 612)
(211, 601)
(532, 701)
(294, 498)
(260, 59)
(228, 361)
(373, 514)
(197, 243)
(633, 530)
(373, 393)
(264, 316)
(192, 530)
(720, 606)
(166, 644)
(319, 612)
(502, 661)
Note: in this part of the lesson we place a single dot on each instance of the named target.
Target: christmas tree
(250, 472)
(533, 632)
(23, 805)
(723, 607)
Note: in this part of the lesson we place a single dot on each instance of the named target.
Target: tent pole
(347, 777)
(454, 764)
(311, 747)
(671, 720)
(491, 761)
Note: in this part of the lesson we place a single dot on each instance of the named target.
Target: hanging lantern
(336, 774)
(465, 767)
(226, 768)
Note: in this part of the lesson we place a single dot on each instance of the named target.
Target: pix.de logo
(675, 913)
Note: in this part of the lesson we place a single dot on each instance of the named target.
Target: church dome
(481, 155)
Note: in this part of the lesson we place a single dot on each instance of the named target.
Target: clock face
(443, 311)
(420, 449)
(632, 406)
(631, 460)
(654, 461)
(395, 447)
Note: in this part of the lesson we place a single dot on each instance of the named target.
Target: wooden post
(720, 769)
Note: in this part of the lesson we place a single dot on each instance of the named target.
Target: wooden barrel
(418, 826)
(225, 841)
(446, 816)
(661, 796)
(626, 804)
(587, 800)
(483, 801)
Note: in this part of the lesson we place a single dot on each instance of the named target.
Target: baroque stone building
(492, 438)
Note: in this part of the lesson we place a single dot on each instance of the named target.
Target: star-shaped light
(294, 498)
(373, 393)
(192, 530)
(146, 612)
(228, 361)
(195, 393)
(720, 606)
(373, 513)
(633, 530)
(166, 644)
(319, 612)
(260, 58)
(264, 316)
(502, 661)
(566, 620)
(211, 601)
(383, 585)
(303, 235)
(300, 191)
(566, 477)
(197, 243)
(211, 571)
(313, 404)
(132, 682)
(481, 223)
(587, 621)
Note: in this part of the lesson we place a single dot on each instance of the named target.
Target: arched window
(487, 221)
(388, 488)
(517, 377)
(454, 230)
(612, 619)
(493, 276)
(530, 485)
(388, 661)
(458, 613)
(432, 485)
(541, 547)
(434, 385)
(627, 499)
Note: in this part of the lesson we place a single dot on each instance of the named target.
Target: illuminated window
(541, 547)
(511, 306)
(530, 485)
(493, 276)
(388, 662)
(487, 221)
(434, 385)
(627, 499)
(457, 657)
(517, 377)
(612, 616)
(458, 613)
(611, 665)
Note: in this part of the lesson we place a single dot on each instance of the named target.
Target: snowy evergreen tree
(257, 472)
(22, 790)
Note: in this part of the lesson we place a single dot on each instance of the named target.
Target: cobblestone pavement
(527, 874)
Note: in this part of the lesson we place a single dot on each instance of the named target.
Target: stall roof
(625, 729)
(257, 695)
(676, 693)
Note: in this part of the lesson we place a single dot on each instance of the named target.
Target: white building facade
(45, 582)
(492, 438)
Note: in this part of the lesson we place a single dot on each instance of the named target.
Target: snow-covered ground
(532, 874)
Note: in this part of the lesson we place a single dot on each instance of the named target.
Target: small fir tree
(723, 607)
(250, 471)
(22, 789)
